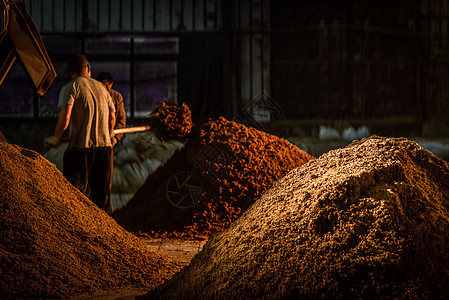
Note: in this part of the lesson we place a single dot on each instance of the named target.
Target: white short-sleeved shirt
(89, 122)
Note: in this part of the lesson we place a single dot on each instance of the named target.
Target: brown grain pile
(370, 221)
(56, 243)
(227, 167)
(171, 121)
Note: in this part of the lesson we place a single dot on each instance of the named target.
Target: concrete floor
(181, 251)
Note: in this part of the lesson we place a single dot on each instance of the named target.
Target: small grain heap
(171, 121)
(369, 221)
(207, 185)
(56, 243)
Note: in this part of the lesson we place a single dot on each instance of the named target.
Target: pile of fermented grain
(207, 185)
(57, 243)
(171, 121)
(369, 221)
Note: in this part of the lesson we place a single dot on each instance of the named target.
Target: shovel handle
(132, 129)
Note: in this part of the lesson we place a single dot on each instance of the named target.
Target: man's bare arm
(61, 126)
(111, 121)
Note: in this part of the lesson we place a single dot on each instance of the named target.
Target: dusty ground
(179, 250)
(127, 294)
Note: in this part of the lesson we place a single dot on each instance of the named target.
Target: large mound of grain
(55, 242)
(370, 221)
(226, 166)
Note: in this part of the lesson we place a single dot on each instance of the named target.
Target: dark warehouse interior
(271, 149)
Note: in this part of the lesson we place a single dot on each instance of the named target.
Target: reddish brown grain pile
(56, 243)
(230, 166)
(369, 221)
(171, 121)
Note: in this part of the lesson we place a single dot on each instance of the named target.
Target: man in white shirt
(87, 107)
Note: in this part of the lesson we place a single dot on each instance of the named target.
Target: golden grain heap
(369, 221)
(56, 243)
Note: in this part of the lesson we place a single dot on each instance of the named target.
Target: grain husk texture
(228, 166)
(369, 221)
(171, 121)
(56, 243)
